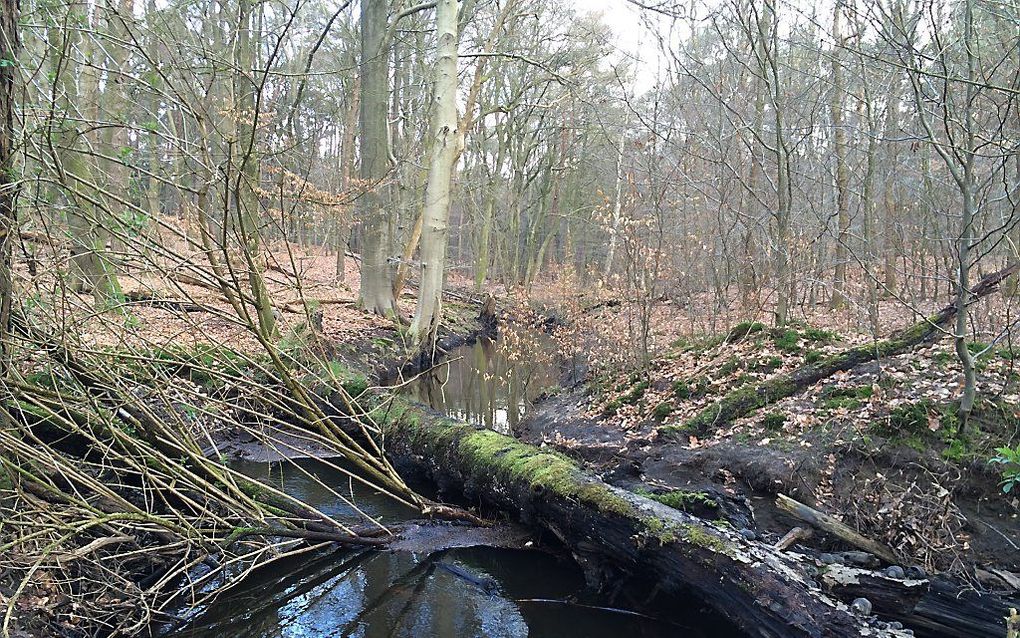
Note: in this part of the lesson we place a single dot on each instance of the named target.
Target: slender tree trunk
(839, 142)
(614, 222)
(447, 143)
(889, 244)
(90, 267)
(246, 197)
(9, 44)
(346, 170)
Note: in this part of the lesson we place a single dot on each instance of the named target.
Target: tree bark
(376, 287)
(839, 144)
(9, 44)
(447, 143)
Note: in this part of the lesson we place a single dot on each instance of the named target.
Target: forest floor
(878, 446)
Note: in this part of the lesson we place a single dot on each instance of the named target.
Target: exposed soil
(877, 447)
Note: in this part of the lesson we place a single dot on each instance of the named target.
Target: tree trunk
(842, 173)
(374, 215)
(90, 267)
(9, 44)
(246, 197)
(447, 144)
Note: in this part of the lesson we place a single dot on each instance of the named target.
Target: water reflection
(491, 382)
(457, 593)
(390, 595)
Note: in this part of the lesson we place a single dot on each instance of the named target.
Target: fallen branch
(791, 537)
(829, 524)
(747, 399)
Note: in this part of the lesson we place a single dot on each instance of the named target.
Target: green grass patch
(820, 336)
(743, 330)
(685, 389)
(787, 340)
(769, 364)
(611, 408)
(773, 421)
(729, 367)
(662, 411)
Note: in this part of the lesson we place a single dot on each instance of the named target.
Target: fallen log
(616, 532)
(142, 298)
(837, 528)
(747, 399)
(935, 607)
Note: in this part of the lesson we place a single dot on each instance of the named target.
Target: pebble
(811, 571)
(861, 559)
(861, 606)
(895, 572)
(748, 534)
(895, 625)
(916, 573)
(828, 559)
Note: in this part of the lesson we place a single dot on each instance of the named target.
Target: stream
(431, 587)
(491, 382)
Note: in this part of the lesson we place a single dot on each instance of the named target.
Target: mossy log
(934, 607)
(617, 532)
(745, 400)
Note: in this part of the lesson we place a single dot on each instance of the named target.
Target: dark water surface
(493, 382)
(430, 592)
(381, 594)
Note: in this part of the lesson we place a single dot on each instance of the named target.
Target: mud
(744, 479)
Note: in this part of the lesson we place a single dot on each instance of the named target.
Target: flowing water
(424, 591)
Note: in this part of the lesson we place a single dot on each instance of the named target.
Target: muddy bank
(746, 477)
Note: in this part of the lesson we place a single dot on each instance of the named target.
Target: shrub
(1009, 461)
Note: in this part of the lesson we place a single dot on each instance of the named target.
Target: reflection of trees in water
(493, 383)
(363, 594)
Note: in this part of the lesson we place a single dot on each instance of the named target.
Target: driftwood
(936, 607)
(837, 528)
(792, 536)
(745, 400)
(615, 533)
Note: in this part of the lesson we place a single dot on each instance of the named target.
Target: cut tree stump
(616, 532)
(745, 400)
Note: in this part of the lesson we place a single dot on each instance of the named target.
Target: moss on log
(745, 400)
(620, 532)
